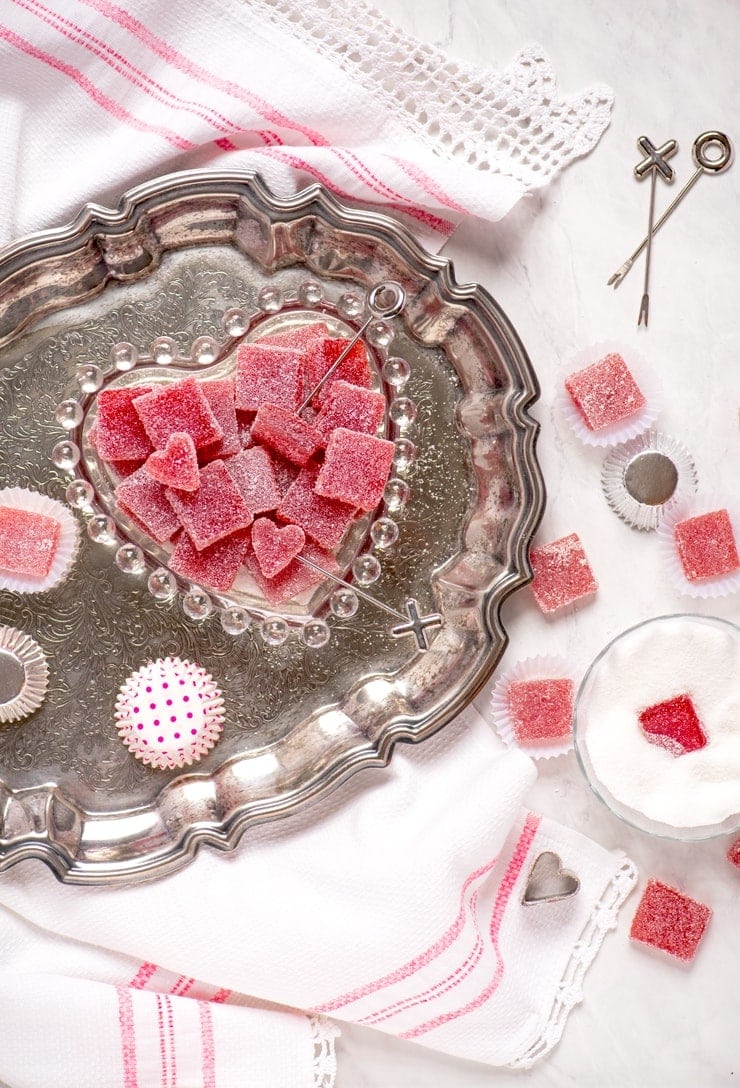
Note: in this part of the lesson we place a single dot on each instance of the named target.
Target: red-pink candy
(350, 406)
(605, 392)
(541, 710)
(275, 547)
(294, 579)
(355, 369)
(182, 406)
(28, 541)
(216, 510)
(673, 725)
(733, 854)
(119, 432)
(303, 338)
(214, 567)
(285, 432)
(324, 520)
(706, 545)
(355, 469)
(220, 396)
(562, 573)
(285, 473)
(669, 920)
(146, 501)
(253, 472)
(269, 375)
(177, 464)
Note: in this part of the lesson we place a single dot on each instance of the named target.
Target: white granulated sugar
(670, 657)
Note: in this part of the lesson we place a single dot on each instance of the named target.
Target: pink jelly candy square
(673, 725)
(216, 510)
(119, 432)
(253, 472)
(324, 520)
(276, 546)
(269, 375)
(562, 573)
(285, 432)
(294, 579)
(220, 396)
(352, 407)
(605, 392)
(669, 920)
(214, 567)
(182, 406)
(540, 710)
(177, 464)
(355, 369)
(146, 501)
(355, 469)
(733, 854)
(28, 541)
(304, 338)
(706, 546)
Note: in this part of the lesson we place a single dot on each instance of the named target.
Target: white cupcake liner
(645, 377)
(19, 498)
(543, 667)
(640, 515)
(690, 508)
(32, 659)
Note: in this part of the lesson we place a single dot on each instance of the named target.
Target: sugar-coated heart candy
(177, 464)
(275, 547)
(294, 579)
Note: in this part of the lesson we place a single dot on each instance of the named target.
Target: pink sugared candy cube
(355, 369)
(214, 511)
(177, 464)
(352, 407)
(355, 469)
(669, 920)
(562, 573)
(541, 710)
(285, 432)
(733, 854)
(294, 579)
(28, 541)
(275, 547)
(146, 501)
(215, 566)
(673, 725)
(706, 546)
(119, 431)
(605, 392)
(253, 472)
(181, 406)
(220, 396)
(324, 520)
(267, 374)
(304, 338)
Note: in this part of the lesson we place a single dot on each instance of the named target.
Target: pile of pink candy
(236, 475)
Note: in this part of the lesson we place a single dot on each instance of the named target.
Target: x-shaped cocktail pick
(654, 163)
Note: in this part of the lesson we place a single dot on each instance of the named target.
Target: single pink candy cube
(669, 920)
(352, 407)
(220, 396)
(275, 547)
(605, 392)
(355, 369)
(182, 406)
(294, 579)
(324, 520)
(562, 573)
(269, 375)
(253, 472)
(285, 432)
(673, 725)
(304, 338)
(28, 541)
(213, 512)
(355, 469)
(119, 432)
(177, 464)
(214, 567)
(145, 500)
(540, 710)
(706, 546)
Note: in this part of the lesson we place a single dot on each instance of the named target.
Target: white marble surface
(672, 64)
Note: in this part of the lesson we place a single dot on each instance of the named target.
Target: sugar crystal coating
(182, 406)
(669, 920)
(294, 579)
(214, 567)
(352, 407)
(253, 472)
(562, 573)
(355, 369)
(605, 392)
(269, 375)
(733, 854)
(355, 469)
(214, 511)
(220, 395)
(285, 432)
(146, 500)
(275, 547)
(177, 464)
(119, 431)
(28, 541)
(324, 520)
(540, 709)
(673, 725)
(304, 338)
(706, 546)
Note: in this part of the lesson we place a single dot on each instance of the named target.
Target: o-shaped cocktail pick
(654, 163)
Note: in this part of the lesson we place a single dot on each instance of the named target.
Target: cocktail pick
(654, 163)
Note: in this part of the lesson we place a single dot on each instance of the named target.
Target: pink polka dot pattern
(169, 713)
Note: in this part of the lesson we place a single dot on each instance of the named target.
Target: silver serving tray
(177, 253)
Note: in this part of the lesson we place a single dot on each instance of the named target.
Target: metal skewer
(654, 163)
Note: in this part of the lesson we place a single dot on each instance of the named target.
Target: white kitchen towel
(96, 96)
(396, 904)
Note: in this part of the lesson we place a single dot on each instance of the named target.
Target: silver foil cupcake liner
(643, 478)
(24, 675)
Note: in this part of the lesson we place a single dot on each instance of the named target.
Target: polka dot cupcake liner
(543, 667)
(170, 713)
(705, 588)
(626, 429)
(20, 498)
